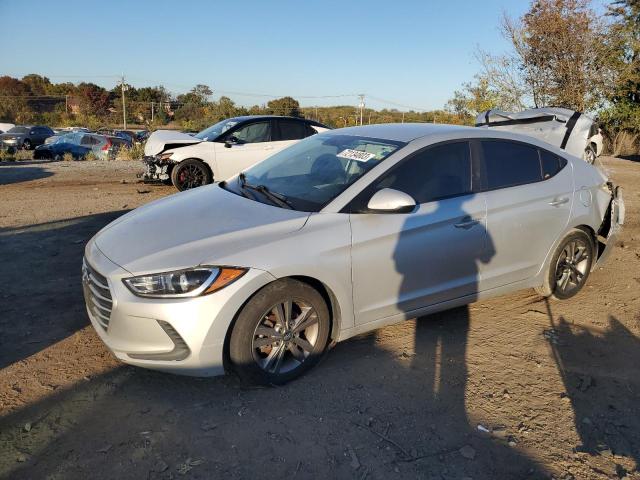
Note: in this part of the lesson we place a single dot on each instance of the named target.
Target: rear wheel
(569, 267)
(190, 173)
(280, 333)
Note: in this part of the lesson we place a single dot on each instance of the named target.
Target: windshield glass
(214, 131)
(316, 170)
(18, 130)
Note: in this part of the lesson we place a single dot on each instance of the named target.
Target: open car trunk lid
(162, 140)
(560, 127)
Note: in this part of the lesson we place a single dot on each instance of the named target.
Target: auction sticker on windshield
(357, 155)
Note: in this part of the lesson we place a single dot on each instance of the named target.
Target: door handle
(467, 222)
(558, 201)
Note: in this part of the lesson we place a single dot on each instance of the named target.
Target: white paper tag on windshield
(356, 155)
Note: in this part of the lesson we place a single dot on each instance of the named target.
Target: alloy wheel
(285, 336)
(572, 265)
(191, 176)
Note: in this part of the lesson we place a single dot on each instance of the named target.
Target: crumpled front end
(156, 169)
(612, 223)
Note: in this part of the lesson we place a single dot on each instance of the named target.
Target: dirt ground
(514, 387)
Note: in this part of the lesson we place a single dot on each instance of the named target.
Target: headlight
(183, 283)
(165, 156)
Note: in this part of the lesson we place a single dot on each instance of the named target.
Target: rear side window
(435, 173)
(551, 164)
(507, 164)
(292, 130)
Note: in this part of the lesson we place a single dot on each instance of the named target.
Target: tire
(26, 144)
(261, 352)
(569, 267)
(57, 157)
(190, 173)
(590, 155)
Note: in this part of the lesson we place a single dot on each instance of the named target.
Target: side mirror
(389, 200)
(231, 141)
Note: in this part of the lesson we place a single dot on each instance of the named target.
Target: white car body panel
(549, 124)
(159, 139)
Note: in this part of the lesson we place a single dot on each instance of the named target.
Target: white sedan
(222, 150)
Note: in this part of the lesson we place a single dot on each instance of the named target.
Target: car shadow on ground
(366, 412)
(40, 288)
(604, 397)
(21, 174)
(132, 423)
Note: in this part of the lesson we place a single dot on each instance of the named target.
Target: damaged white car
(222, 150)
(574, 132)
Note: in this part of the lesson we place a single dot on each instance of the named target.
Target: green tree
(284, 106)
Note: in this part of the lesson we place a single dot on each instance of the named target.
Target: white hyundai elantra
(344, 232)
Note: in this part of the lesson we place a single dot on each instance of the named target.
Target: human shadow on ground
(605, 398)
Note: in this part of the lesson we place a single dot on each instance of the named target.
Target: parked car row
(49, 143)
(79, 145)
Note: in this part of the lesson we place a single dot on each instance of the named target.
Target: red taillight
(107, 145)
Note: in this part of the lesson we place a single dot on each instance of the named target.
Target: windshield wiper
(276, 198)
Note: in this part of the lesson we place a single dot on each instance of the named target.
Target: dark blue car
(79, 144)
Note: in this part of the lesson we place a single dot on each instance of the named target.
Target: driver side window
(253, 133)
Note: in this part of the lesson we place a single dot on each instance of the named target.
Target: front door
(404, 262)
(251, 143)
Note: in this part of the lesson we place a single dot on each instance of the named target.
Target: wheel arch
(326, 293)
(199, 160)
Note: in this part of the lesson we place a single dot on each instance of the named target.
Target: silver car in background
(344, 232)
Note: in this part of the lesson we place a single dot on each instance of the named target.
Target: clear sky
(414, 53)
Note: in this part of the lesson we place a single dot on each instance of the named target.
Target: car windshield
(214, 131)
(18, 130)
(316, 170)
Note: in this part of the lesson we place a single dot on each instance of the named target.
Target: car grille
(96, 294)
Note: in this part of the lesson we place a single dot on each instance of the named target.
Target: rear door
(252, 145)
(529, 195)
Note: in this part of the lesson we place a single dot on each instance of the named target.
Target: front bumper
(156, 170)
(183, 336)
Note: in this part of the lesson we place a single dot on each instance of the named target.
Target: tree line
(562, 53)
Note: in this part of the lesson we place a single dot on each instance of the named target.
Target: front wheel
(26, 145)
(569, 267)
(190, 173)
(280, 333)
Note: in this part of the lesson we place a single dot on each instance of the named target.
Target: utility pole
(361, 96)
(402, 117)
(66, 104)
(151, 112)
(124, 105)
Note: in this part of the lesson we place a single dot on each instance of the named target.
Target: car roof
(244, 118)
(401, 132)
(408, 132)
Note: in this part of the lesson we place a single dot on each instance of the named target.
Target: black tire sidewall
(240, 351)
(575, 234)
(175, 171)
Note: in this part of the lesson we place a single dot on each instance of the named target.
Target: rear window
(507, 164)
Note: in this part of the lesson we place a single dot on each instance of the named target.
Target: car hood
(200, 226)
(12, 135)
(162, 140)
